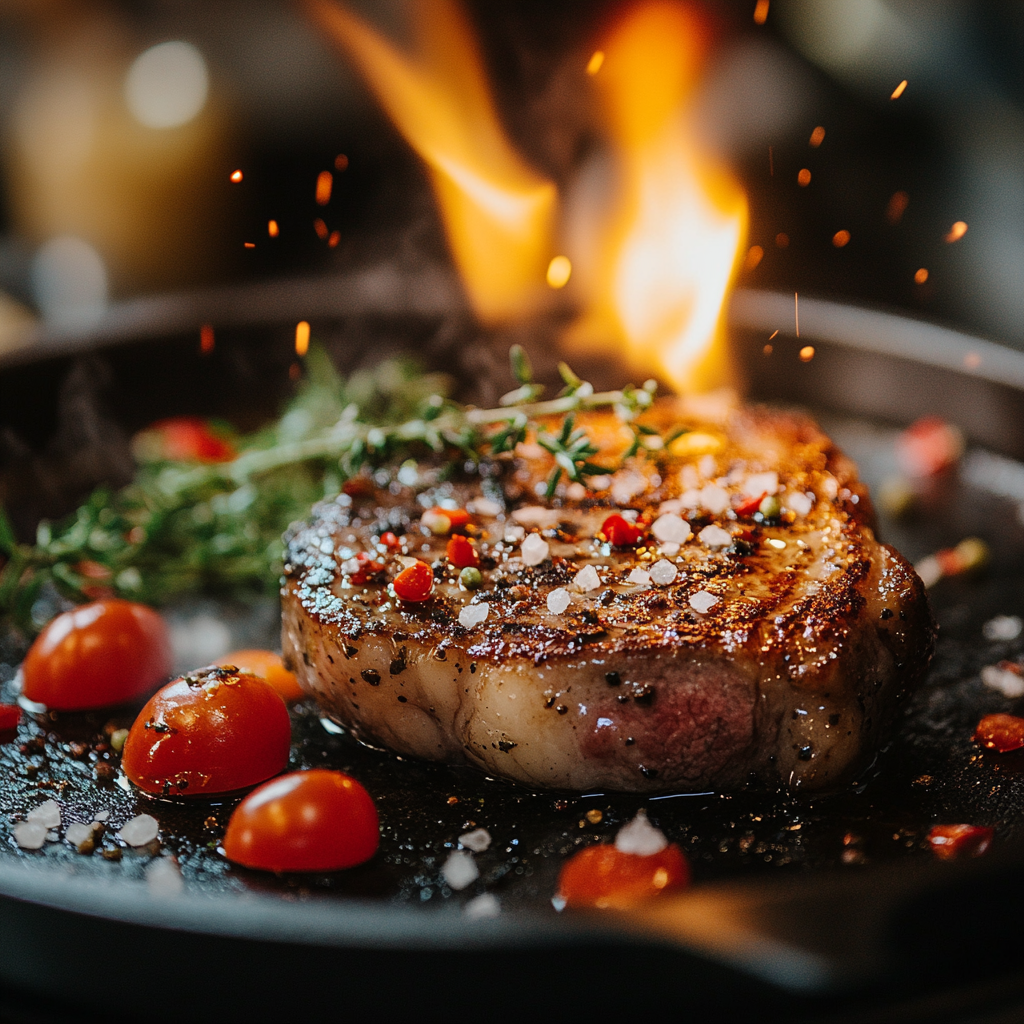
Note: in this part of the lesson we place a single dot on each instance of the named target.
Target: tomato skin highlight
(603, 876)
(951, 841)
(461, 553)
(270, 667)
(106, 652)
(214, 731)
(415, 583)
(317, 820)
(620, 532)
(1001, 733)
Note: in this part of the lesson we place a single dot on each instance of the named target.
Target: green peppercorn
(769, 507)
(470, 578)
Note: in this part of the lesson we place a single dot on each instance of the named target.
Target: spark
(595, 62)
(761, 12)
(272, 229)
(321, 229)
(206, 339)
(897, 207)
(249, 245)
(774, 334)
(334, 239)
(782, 239)
(957, 231)
(817, 137)
(806, 353)
(559, 271)
(302, 337)
(841, 238)
(921, 276)
(340, 162)
(236, 176)
(898, 91)
(754, 256)
(324, 184)
(796, 313)
(804, 177)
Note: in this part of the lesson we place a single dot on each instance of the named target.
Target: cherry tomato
(270, 667)
(389, 540)
(461, 553)
(603, 876)
(318, 820)
(415, 583)
(184, 439)
(368, 569)
(106, 652)
(1001, 733)
(950, 841)
(10, 716)
(213, 731)
(620, 532)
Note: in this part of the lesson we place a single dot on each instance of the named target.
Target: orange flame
(498, 213)
(678, 224)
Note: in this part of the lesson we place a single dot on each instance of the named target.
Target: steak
(735, 622)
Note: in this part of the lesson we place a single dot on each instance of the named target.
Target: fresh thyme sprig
(183, 527)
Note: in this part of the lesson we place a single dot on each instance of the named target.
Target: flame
(498, 213)
(670, 248)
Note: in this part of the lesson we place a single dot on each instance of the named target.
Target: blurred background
(123, 126)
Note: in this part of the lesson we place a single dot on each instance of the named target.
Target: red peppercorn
(415, 583)
(461, 553)
(1001, 733)
(620, 532)
(949, 841)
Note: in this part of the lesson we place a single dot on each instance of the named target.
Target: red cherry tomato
(107, 652)
(318, 820)
(270, 667)
(213, 731)
(10, 716)
(461, 552)
(368, 569)
(950, 841)
(415, 583)
(1001, 733)
(620, 532)
(389, 540)
(184, 439)
(603, 876)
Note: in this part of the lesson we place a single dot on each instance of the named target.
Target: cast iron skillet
(810, 908)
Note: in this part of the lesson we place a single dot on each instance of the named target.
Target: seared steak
(737, 621)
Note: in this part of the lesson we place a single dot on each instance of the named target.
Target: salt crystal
(481, 907)
(558, 601)
(1004, 680)
(798, 502)
(484, 507)
(639, 836)
(576, 491)
(760, 483)
(669, 550)
(513, 534)
(714, 498)
(663, 572)
(76, 833)
(473, 614)
(587, 579)
(639, 578)
(478, 840)
(626, 486)
(163, 876)
(600, 483)
(140, 830)
(46, 814)
(777, 543)
(460, 870)
(1003, 627)
(714, 537)
(535, 549)
(672, 506)
(30, 835)
(703, 602)
(535, 515)
(671, 529)
(101, 816)
(708, 466)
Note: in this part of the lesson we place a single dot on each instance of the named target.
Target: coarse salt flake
(142, 829)
(484, 507)
(473, 614)
(798, 502)
(163, 877)
(535, 515)
(478, 840)
(703, 602)
(626, 486)
(714, 498)
(30, 835)
(1003, 627)
(77, 833)
(777, 543)
(1004, 679)
(535, 549)
(587, 579)
(663, 572)
(481, 907)
(639, 836)
(513, 534)
(639, 578)
(670, 550)
(558, 600)
(714, 537)
(671, 529)
(46, 814)
(760, 483)
(460, 870)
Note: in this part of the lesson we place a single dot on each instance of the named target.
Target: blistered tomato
(603, 876)
(414, 583)
(620, 532)
(318, 820)
(106, 652)
(270, 667)
(461, 553)
(1001, 733)
(213, 731)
